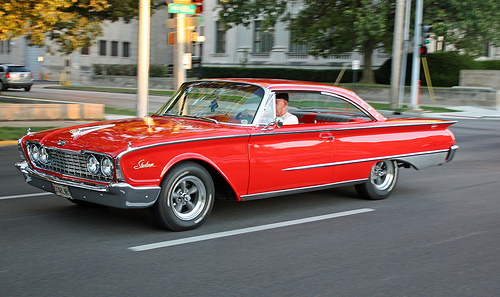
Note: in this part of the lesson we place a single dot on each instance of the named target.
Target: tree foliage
(328, 26)
(69, 24)
(468, 25)
(341, 26)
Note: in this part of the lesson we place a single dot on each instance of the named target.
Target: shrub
(444, 69)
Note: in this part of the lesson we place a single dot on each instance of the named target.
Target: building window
(126, 49)
(114, 48)
(102, 47)
(220, 46)
(84, 50)
(263, 39)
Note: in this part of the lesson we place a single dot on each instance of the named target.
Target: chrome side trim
(300, 190)
(393, 157)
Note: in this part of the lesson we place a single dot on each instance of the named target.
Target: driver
(281, 113)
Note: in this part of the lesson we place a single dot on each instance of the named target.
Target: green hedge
(129, 70)
(444, 69)
(329, 75)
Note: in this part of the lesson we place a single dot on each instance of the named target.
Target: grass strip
(14, 133)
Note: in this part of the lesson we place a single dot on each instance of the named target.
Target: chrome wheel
(186, 198)
(381, 182)
(382, 175)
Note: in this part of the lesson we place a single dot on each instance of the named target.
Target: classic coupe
(221, 139)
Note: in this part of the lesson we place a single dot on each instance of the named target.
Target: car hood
(113, 137)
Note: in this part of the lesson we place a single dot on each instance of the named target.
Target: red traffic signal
(199, 6)
(423, 51)
(171, 38)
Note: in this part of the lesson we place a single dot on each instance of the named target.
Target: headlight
(92, 164)
(44, 156)
(107, 166)
(34, 152)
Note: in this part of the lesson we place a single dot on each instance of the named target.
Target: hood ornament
(61, 142)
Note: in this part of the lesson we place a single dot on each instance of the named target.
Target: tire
(27, 89)
(381, 182)
(186, 198)
(2, 86)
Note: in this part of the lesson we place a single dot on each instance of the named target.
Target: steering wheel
(244, 117)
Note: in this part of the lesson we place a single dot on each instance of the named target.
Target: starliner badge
(62, 142)
(144, 164)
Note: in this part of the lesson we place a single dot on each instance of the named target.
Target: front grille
(72, 164)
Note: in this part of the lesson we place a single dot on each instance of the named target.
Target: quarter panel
(147, 167)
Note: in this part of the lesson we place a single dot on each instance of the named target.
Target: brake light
(31, 74)
(7, 75)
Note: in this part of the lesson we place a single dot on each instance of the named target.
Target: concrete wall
(50, 111)
(457, 96)
(480, 78)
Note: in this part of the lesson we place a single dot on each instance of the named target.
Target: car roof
(297, 85)
(285, 84)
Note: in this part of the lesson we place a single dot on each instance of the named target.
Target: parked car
(13, 76)
(221, 139)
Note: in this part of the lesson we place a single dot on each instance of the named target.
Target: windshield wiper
(171, 115)
(200, 118)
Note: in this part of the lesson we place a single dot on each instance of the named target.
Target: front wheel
(382, 180)
(186, 198)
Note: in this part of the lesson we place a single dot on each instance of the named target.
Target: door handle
(327, 136)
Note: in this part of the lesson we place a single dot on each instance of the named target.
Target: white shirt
(289, 118)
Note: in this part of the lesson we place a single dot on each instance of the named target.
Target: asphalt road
(437, 235)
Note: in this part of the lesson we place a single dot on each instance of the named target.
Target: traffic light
(171, 38)
(426, 34)
(199, 6)
(423, 51)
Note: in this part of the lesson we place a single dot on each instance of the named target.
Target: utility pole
(143, 60)
(415, 73)
(406, 43)
(179, 50)
(397, 46)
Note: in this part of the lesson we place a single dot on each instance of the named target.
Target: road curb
(8, 142)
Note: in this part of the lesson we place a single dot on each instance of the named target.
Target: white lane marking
(157, 245)
(24, 196)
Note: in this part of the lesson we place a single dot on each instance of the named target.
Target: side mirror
(274, 123)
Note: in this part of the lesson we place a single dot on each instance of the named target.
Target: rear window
(17, 69)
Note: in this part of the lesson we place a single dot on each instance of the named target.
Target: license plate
(62, 191)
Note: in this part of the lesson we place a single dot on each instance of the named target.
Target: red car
(221, 139)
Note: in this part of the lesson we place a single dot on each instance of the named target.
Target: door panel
(289, 158)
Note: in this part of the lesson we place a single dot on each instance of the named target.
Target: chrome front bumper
(120, 195)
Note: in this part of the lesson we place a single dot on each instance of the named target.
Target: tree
(340, 26)
(68, 24)
(469, 26)
(328, 26)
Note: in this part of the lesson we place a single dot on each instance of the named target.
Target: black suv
(15, 76)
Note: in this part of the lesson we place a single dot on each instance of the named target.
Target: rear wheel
(186, 198)
(382, 180)
(2, 86)
(27, 89)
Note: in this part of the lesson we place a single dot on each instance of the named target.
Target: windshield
(225, 102)
(17, 69)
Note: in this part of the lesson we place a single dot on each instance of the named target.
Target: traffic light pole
(179, 50)
(143, 59)
(415, 72)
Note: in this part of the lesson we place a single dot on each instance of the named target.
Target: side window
(269, 111)
(323, 107)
